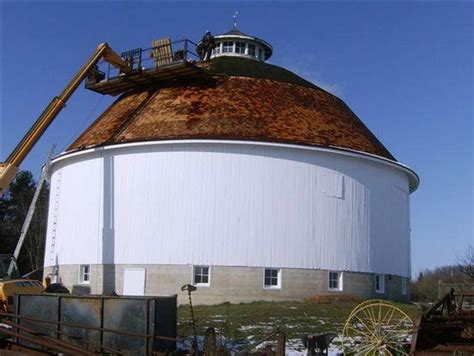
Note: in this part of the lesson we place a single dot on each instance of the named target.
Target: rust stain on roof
(234, 108)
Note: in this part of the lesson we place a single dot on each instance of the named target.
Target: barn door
(134, 281)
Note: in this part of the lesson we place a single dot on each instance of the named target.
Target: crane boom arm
(9, 168)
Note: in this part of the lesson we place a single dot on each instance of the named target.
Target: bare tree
(466, 262)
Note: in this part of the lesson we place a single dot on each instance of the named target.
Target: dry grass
(332, 299)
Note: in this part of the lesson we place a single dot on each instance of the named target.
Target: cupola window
(251, 51)
(228, 47)
(217, 50)
(240, 47)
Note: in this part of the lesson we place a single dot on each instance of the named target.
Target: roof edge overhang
(413, 178)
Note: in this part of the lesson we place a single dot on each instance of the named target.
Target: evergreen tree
(14, 205)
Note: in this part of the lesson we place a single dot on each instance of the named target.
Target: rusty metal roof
(263, 104)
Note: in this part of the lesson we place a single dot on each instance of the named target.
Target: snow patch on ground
(294, 347)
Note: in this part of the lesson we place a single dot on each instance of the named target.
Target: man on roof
(208, 44)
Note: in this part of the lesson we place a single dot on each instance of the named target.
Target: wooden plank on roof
(162, 52)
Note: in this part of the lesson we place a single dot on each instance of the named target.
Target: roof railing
(164, 53)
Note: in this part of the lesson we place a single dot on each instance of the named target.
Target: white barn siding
(231, 204)
(76, 236)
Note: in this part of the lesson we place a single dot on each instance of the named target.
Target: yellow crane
(9, 168)
(9, 285)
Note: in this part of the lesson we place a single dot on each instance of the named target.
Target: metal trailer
(85, 324)
(447, 328)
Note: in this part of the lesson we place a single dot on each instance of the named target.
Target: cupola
(237, 44)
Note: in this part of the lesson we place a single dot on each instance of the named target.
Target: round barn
(234, 175)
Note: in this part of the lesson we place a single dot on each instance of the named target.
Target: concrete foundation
(229, 284)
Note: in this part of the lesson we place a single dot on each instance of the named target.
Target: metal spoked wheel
(377, 327)
(363, 304)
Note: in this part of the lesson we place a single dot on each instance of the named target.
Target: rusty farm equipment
(447, 328)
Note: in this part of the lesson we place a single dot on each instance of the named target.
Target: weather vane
(235, 19)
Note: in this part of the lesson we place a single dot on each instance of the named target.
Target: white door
(134, 281)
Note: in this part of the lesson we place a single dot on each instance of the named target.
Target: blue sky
(406, 69)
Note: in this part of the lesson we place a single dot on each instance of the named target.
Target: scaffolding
(164, 61)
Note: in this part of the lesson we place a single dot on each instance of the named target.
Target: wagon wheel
(363, 304)
(376, 327)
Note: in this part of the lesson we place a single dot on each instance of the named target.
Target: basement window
(404, 286)
(379, 283)
(201, 276)
(272, 278)
(335, 281)
(85, 274)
